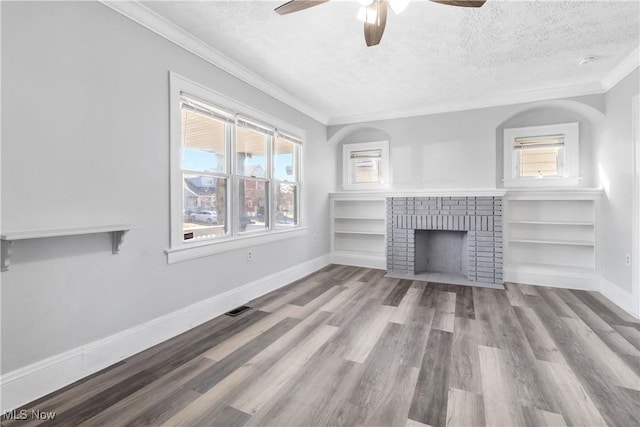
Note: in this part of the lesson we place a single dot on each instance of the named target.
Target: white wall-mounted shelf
(117, 232)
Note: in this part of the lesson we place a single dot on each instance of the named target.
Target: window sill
(570, 181)
(200, 250)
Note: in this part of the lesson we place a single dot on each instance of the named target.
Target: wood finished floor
(346, 346)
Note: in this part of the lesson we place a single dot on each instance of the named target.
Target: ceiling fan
(372, 12)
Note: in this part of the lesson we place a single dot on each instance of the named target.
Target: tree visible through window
(286, 160)
(252, 143)
(226, 158)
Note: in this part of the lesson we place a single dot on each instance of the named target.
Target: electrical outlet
(315, 237)
(627, 260)
(249, 255)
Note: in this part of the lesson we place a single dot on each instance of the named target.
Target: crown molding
(622, 70)
(510, 99)
(159, 25)
(619, 72)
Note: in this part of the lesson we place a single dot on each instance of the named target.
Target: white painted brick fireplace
(479, 217)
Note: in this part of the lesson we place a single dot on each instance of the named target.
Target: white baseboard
(359, 260)
(623, 299)
(554, 279)
(41, 378)
(620, 297)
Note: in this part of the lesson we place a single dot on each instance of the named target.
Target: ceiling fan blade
(461, 3)
(297, 5)
(373, 30)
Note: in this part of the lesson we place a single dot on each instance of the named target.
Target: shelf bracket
(116, 231)
(7, 247)
(117, 238)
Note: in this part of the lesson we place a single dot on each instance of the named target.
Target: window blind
(288, 138)
(249, 124)
(212, 114)
(547, 141)
(371, 154)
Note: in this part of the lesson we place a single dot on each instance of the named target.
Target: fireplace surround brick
(480, 217)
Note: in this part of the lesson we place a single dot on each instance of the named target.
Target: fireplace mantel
(448, 192)
(433, 192)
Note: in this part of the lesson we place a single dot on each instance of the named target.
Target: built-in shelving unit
(551, 237)
(358, 229)
(7, 238)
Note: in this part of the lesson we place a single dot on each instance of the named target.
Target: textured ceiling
(431, 55)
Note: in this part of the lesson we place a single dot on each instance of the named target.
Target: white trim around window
(231, 110)
(376, 152)
(568, 133)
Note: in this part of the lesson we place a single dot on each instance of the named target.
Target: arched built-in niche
(353, 134)
(549, 113)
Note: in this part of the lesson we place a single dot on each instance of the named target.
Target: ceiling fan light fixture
(398, 6)
(372, 12)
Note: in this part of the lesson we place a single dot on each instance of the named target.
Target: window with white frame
(235, 175)
(205, 167)
(540, 156)
(286, 169)
(366, 165)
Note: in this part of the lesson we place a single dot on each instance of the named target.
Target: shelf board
(581, 223)
(549, 194)
(117, 232)
(360, 218)
(373, 233)
(551, 269)
(343, 252)
(552, 242)
(59, 232)
(378, 261)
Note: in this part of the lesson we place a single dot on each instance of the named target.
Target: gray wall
(614, 163)
(85, 136)
(463, 149)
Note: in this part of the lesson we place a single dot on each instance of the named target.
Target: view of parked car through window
(225, 158)
(207, 217)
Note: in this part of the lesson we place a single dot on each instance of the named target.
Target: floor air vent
(236, 311)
